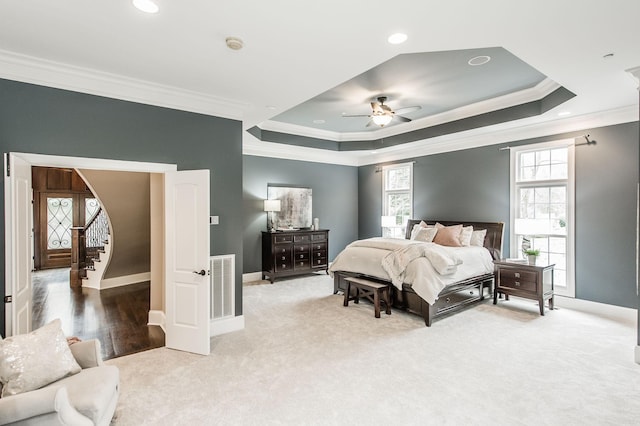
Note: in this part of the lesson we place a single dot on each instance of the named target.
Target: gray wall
(334, 201)
(474, 185)
(43, 120)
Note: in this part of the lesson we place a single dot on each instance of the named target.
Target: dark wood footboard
(451, 299)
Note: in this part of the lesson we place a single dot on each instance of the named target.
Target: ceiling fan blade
(406, 110)
(401, 118)
(356, 115)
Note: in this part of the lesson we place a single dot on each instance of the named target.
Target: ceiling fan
(382, 114)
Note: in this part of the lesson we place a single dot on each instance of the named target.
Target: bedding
(427, 267)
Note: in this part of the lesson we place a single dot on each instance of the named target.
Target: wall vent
(222, 286)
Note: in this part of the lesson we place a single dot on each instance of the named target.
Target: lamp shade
(388, 221)
(271, 205)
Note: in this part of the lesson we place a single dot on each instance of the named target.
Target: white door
(187, 260)
(18, 226)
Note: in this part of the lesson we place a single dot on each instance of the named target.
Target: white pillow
(425, 234)
(477, 238)
(417, 227)
(465, 236)
(31, 361)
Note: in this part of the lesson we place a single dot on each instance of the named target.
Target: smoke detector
(234, 43)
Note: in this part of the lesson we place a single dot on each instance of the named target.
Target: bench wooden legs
(375, 292)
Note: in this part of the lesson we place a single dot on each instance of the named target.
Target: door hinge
(8, 299)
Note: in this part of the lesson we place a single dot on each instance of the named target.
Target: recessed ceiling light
(564, 113)
(318, 121)
(397, 38)
(479, 60)
(147, 6)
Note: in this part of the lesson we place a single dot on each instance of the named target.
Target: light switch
(214, 220)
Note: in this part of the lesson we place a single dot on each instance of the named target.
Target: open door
(18, 229)
(187, 290)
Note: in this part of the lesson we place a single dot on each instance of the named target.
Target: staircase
(90, 250)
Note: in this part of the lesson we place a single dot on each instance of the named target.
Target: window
(542, 202)
(397, 199)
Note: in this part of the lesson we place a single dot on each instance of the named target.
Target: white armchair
(86, 398)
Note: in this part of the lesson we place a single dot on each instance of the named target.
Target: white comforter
(428, 267)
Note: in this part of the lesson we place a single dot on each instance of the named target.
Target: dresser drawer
(301, 264)
(301, 248)
(319, 246)
(281, 266)
(301, 238)
(319, 237)
(301, 255)
(318, 254)
(318, 262)
(282, 249)
(283, 238)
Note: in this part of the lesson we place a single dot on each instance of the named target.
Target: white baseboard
(125, 280)
(251, 276)
(615, 313)
(226, 325)
(157, 318)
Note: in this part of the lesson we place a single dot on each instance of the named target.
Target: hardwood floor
(117, 317)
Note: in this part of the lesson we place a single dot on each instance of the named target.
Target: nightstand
(524, 280)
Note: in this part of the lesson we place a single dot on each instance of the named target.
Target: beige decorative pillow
(417, 227)
(477, 238)
(425, 234)
(448, 236)
(465, 236)
(31, 361)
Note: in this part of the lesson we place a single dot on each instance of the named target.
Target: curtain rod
(586, 137)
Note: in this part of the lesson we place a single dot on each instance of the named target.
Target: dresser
(288, 253)
(524, 280)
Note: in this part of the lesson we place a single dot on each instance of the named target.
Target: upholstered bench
(374, 291)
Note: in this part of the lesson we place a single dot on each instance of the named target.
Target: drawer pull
(302, 256)
(517, 274)
(517, 283)
(284, 266)
(301, 263)
(282, 257)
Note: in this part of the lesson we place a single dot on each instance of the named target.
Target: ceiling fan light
(382, 120)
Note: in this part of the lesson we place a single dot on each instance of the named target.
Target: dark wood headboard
(492, 241)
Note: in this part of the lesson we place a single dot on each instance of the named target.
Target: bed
(421, 288)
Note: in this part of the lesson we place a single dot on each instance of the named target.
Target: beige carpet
(303, 358)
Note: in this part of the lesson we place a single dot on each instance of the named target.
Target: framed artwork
(295, 207)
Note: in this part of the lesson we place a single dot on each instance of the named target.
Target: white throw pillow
(425, 234)
(465, 236)
(31, 361)
(416, 228)
(477, 238)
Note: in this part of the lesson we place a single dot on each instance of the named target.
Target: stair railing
(87, 242)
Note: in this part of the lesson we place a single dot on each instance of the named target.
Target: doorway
(20, 240)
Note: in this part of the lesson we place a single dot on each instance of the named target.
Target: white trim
(634, 73)
(571, 220)
(120, 281)
(637, 354)
(251, 277)
(603, 310)
(158, 318)
(484, 136)
(226, 325)
(537, 92)
(29, 69)
(94, 163)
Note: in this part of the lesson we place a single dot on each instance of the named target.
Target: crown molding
(490, 135)
(28, 69)
(635, 75)
(535, 93)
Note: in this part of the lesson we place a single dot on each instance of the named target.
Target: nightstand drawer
(517, 283)
(518, 275)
